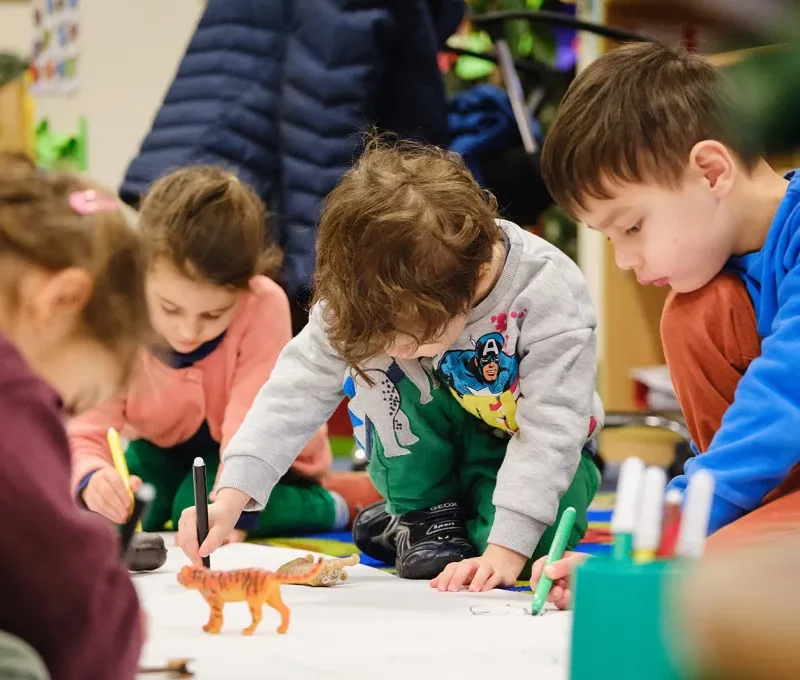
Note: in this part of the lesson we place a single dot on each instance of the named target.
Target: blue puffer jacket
(278, 91)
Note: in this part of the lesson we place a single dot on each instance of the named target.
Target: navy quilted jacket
(278, 91)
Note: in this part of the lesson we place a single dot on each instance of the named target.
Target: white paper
(374, 625)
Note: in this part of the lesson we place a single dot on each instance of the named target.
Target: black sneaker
(375, 531)
(428, 540)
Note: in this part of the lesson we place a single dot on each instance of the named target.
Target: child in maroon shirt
(72, 314)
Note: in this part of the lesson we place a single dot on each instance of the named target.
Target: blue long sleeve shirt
(758, 443)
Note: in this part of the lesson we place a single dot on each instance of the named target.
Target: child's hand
(497, 566)
(222, 517)
(561, 574)
(106, 495)
(145, 623)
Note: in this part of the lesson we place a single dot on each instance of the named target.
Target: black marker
(201, 504)
(142, 500)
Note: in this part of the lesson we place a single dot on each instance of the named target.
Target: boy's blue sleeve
(759, 439)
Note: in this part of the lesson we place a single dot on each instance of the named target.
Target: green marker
(556, 553)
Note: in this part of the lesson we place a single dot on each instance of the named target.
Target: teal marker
(557, 548)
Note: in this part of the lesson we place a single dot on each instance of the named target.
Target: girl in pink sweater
(221, 324)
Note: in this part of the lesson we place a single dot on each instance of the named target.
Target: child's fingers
(187, 535)
(563, 568)
(135, 483)
(462, 575)
(443, 580)
(556, 592)
(481, 577)
(536, 569)
(115, 504)
(107, 510)
(115, 491)
(565, 601)
(493, 582)
(216, 535)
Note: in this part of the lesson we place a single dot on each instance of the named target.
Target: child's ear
(63, 296)
(714, 163)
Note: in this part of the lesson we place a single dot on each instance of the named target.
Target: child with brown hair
(643, 149)
(222, 323)
(72, 315)
(467, 348)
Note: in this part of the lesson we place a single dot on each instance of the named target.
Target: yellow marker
(118, 456)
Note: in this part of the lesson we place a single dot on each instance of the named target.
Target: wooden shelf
(14, 119)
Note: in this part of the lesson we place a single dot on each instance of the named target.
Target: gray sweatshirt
(525, 364)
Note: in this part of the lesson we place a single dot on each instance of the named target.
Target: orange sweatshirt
(166, 406)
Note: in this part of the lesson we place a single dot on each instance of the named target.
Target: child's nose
(627, 258)
(190, 330)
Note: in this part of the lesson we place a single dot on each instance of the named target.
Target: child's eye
(635, 229)
(170, 311)
(211, 317)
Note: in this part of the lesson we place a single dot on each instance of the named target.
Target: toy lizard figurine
(332, 573)
(257, 587)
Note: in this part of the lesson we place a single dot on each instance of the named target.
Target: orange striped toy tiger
(257, 587)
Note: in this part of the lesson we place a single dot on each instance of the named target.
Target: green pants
(19, 661)
(452, 455)
(302, 507)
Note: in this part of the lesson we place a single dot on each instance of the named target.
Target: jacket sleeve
(336, 57)
(261, 345)
(66, 591)
(757, 443)
(88, 438)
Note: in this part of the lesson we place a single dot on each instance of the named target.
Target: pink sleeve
(88, 438)
(268, 332)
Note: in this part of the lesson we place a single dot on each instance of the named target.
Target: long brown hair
(39, 225)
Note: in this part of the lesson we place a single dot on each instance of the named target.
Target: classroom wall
(129, 52)
(15, 28)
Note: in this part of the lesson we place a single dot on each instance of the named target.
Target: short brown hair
(401, 242)
(38, 224)
(633, 115)
(210, 226)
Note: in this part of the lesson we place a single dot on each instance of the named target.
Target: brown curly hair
(38, 225)
(401, 242)
(210, 225)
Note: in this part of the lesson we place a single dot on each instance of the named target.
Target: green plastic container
(620, 621)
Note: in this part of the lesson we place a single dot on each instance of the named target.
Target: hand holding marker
(556, 553)
(118, 456)
(201, 504)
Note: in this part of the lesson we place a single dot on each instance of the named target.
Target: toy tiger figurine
(257, 587)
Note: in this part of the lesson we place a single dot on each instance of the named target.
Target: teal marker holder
(620, 623)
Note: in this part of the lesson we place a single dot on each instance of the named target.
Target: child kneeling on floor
(223, 323)
(655, 166)
(467, 348)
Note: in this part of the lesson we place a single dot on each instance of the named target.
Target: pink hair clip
(89, 201)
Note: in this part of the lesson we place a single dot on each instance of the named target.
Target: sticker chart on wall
(56, 46)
